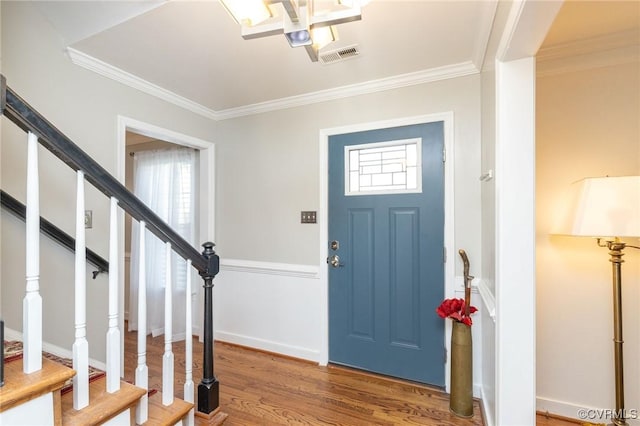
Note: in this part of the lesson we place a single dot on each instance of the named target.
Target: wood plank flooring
(258, 388)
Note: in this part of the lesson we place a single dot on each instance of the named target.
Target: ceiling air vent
(339, 55)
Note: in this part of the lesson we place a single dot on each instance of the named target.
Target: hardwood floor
(258, 388)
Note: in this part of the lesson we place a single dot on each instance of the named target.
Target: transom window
(392, 167)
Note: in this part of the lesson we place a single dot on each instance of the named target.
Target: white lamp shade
(604, 207)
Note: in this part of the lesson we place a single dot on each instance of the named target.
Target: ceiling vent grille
(339, 55)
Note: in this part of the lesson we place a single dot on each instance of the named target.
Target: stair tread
(102, 405)
(160, 414)
(20, 387)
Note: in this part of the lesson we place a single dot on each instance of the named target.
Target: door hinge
(444, 254)
(445, 355)
(444, 154)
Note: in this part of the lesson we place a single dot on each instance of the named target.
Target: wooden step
(102, 406)
(160, 414)
(20, 387)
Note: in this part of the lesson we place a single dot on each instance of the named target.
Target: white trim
(207, 164)
(269, 268)
(128, 79)
(403, 80)
(482, 41)
(515, 242)
(373, 86)
(607, 58)
(570, 410)
(207, 191)
(590, 45)
(10, 334)
(526, 27)
(488, 300)
(486, 410)
(449, 275)
(267, 345)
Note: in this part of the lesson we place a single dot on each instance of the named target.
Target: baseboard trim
(268, 346)
(568, 410)
(548, 415)
(487, 414)
(10, 334)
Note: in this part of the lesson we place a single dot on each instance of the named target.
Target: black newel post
(209, 387)
(3, 94)
(1, 353)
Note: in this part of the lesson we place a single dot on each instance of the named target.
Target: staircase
(33, 385)
(41, 392)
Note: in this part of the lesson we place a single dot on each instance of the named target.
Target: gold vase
(461, 398)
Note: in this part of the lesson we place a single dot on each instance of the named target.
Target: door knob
(334, 261)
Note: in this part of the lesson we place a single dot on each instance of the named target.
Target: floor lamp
(608, 208)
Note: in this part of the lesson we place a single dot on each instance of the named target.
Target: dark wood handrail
(53, 232)
(29, 120)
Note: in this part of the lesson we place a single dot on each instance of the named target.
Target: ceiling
(192, 51)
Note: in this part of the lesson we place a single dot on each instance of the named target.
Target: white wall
(588, 125)
(85, 106)
(269, 168)
(487, 285)
(269, 172)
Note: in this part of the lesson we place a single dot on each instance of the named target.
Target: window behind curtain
(164, 180)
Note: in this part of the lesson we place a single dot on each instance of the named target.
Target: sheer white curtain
(165, 181)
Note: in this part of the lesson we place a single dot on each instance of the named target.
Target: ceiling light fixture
(301, 24)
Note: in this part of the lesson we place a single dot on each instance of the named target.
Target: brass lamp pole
(615, 251)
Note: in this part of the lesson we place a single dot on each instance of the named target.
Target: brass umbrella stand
(461, 397)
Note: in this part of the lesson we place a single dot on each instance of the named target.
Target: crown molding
(128, 79)
(589, 45)
(608, 58)
(482, 42)
(389, 83)
(608, 50)
(403, 80)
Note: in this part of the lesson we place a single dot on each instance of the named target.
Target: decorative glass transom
(392, 167)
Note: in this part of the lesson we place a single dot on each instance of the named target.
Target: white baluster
(167, 358)
(189, 391)
(142, 371)
(80, 345)
(32, 302)
(113, 334)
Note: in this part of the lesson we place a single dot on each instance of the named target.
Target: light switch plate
(308, 217)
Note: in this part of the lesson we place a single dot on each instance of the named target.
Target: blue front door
(386, 266)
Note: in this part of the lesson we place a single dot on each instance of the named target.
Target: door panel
(362, 315)
(404, 276)
(383, 295)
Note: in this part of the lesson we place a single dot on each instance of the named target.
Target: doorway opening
(135, 136)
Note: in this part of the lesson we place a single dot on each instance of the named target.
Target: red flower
(455, 309)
